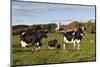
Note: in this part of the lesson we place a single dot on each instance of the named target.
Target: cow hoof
(64, 49)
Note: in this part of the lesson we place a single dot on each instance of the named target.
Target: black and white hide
(74, 37)
(33, 38)
(52, 44)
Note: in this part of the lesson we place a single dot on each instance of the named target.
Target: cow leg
(78, 43)
(33, 46)
(74, 45)
(78, 46)
(64, 46)
(37, 46)
(65, 42)
(49, 47)
(53, 47)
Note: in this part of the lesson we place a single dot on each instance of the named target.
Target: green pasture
(22, 56)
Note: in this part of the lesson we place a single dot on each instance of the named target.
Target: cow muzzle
(82, 34)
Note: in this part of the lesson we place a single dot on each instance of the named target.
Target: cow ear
(84, 28)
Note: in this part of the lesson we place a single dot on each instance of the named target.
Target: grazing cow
(74, 37)
(52, 44)
(33, 38)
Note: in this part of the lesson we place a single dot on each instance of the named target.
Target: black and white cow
(74, 37)
(33, 38)
(52, 44)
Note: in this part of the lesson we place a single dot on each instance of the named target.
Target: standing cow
(33, 38)
(73, 37)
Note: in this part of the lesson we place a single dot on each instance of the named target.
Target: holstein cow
(33, 38)
(52, 44)
(74, 37)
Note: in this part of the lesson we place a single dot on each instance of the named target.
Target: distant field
(44, 55)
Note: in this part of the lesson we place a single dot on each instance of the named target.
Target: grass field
(44, 55)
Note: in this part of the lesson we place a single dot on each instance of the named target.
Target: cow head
(44, 33)
(81, 31)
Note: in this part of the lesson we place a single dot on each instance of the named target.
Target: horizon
(93, 21)
(29, 13)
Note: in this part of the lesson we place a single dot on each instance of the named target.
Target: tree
(90, 27)
(51, 27)
(73, 25)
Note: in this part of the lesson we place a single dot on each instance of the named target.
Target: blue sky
(30, 13)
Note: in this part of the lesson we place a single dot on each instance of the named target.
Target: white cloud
(45, 8)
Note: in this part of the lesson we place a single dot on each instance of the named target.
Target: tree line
(18, 29)
(90, 27)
